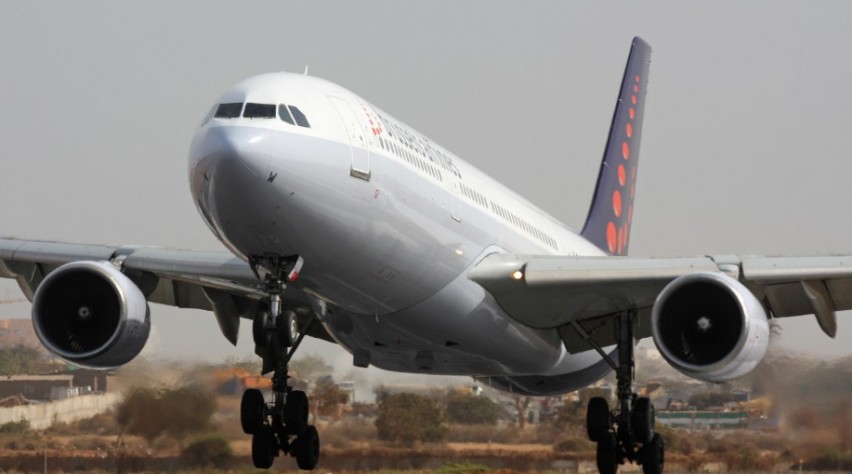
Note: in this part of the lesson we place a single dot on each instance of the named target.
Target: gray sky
(745, 150)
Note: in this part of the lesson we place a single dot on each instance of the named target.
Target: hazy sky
(746, 145)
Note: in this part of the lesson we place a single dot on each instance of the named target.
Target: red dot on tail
(610, 237)
(620, 240)
(635, 88)
(631, 113)
(625, 150)
(622, 175)
(633, 99)
(636, 78)
(616, 203)
(629, 129)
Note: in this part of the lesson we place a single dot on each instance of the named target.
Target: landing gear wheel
(296, 413)
(263, 448)
(642, 420)
(307, 448)
(252, 408)
(258, 329)
(287, 326)
(598, 419)
(606, 455)
(653, 455)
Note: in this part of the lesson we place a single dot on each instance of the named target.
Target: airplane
(344, 224)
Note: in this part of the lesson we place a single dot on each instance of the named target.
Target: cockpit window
(264, 111)
(229, 110)
(285, 114)
(209, 115)
(301, 120)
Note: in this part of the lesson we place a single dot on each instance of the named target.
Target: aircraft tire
(642, 420)
(598, 419)
(263, 448)
(653, 455)
(307, 448)
(606, 455)
(288, 328)
(252, 407)
(296, 413)
(258, 329)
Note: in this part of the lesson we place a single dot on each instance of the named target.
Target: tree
(328, 398)
(21, 359)
(176, 412)
(522, 404)
(407, 418)
(468, 409)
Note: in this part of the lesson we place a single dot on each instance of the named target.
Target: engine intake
(91, 314)
(709, 326)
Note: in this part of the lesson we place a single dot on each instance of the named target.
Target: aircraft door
(357, 134)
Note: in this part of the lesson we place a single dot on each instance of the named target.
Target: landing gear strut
(280, 426)
(628, 432)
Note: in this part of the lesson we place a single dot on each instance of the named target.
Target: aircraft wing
(564, 292)
(212, 281)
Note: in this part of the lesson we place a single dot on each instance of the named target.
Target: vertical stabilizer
(611, 213)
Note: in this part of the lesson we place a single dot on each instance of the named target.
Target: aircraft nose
(233, 151)
(226, 163)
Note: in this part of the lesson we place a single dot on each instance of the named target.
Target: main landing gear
(628, 433)
(280, 426)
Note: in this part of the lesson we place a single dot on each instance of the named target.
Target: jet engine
(710, 327)
(91, 314)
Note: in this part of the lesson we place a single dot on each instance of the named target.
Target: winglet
(611, 213)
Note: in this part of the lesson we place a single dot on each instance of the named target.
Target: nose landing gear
(281, 425)
(627, 434)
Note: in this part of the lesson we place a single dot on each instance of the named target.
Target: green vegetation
(462, 468)
(15, 427)
(468, 409)
(210, 450)
(328, 398)
(407, 418)
(21, 359)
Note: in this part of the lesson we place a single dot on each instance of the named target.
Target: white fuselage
(387, 222)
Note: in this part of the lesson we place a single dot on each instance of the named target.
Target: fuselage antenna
(306, 69)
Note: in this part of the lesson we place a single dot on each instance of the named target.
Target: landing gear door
(356, 133)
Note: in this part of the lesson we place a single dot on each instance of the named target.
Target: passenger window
(301, 120)
(285, 114)
(263, 111)
(229, 110)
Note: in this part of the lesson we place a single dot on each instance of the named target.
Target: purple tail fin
(611, 213)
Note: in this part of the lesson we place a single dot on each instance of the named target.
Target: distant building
(37, 387)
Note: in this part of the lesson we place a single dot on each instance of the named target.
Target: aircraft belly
(460, 330)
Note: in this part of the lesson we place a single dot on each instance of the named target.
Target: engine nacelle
(710, 327)
(91, 314)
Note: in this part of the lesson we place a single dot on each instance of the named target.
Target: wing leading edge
(211, 281)
(545, 291)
